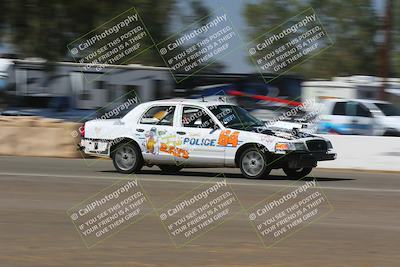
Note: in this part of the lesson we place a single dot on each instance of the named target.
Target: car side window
(357, 109)
(339, 108)
(362, 111)
(159, 115)
(197, 118)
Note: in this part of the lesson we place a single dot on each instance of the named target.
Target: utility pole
(386, 46)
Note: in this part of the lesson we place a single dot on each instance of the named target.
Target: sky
(237, 61)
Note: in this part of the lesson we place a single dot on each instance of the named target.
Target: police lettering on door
(226, 138)
(199, 141)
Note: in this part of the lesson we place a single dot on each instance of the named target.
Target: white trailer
(88, 89)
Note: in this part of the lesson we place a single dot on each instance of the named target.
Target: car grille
(317, 145)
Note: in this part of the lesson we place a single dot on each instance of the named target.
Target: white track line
(254, 183)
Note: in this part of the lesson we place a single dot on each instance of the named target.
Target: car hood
(282, 133)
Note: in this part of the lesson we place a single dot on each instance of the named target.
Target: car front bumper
(301, 160)
(297, 160)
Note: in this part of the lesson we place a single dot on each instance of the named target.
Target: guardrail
(36, 136)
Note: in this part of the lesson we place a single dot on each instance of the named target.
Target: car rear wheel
(169, 168)
(253, 164)
(297, 173)
(127, 158)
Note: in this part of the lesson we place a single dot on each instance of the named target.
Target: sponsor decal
(227, 138)
(154, 138)
(151, 141)
(175, 151)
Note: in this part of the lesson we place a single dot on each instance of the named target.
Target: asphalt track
(363, 230)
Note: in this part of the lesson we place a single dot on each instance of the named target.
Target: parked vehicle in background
(359, 117)
(67, 89)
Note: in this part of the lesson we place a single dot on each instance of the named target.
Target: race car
(178, 133)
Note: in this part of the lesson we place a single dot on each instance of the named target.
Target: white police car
(359, 117)
(174, 134)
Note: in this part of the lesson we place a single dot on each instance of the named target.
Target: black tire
(297, 173)
(127, 158)
(253, 163)
(391, 133)
(169, 168)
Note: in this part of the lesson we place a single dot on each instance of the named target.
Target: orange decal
(185, 154)
(171, 150)
(226, 138)
(163, 147)
(175, 151)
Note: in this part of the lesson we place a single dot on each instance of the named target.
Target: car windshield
(235, 117)
(388, 109)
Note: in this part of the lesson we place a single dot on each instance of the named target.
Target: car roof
(184, 101)
(135, 113)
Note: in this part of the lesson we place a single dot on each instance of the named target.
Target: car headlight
(289, 146)
(282, 146)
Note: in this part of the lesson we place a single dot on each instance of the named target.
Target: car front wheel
(253, 164)
(297, 173)
(127, 158)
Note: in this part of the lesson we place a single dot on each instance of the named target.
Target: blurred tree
(396, 38)
(351, 24)
(44, 28)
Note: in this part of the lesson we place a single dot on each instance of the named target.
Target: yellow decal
(151, 140)
(171, 140)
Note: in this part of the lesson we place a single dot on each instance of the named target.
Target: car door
(361, 118)
(337, 120)
(198, 135)
(155, 130)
